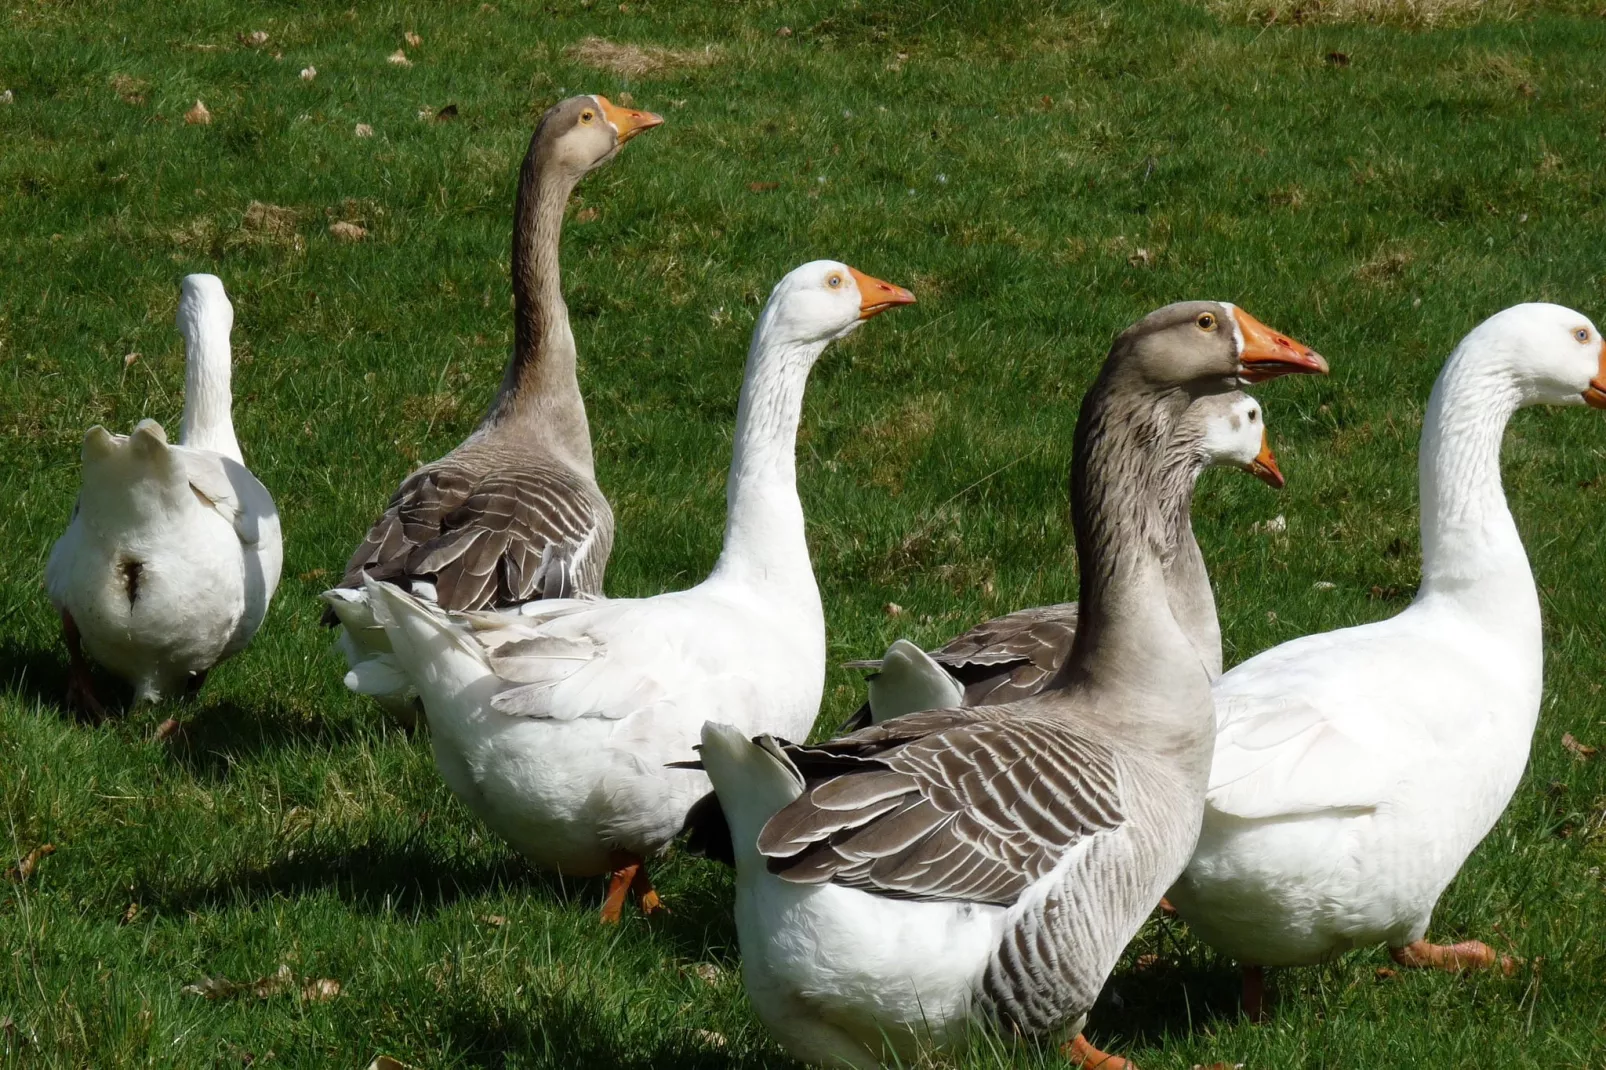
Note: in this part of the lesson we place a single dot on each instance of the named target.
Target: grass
(1041, 175)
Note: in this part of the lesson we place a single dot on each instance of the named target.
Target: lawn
(1372, 177)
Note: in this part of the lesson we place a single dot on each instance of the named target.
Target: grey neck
(1128, 644)
(1188, 591)
(540, 393)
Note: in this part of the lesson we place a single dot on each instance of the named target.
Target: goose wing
(495, 539)
(959, 804)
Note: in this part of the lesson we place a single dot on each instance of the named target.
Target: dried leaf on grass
(129, 88)
(254, 39)
(1583, 750)
(24, 868)
(270, 221)
(412, 39)
(348, 231)
(308, 73)
(198, 115)
(363, 130)
(398, 58)
(637, 60)
(385, 1062)
(281, 981)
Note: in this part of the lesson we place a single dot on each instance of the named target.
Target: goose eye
(1206, 321)
(834, 281)
(1582, 334)
(588, 116)
(1254, 416)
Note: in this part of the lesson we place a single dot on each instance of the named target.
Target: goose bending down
(553, 722)
(514, 513)
(1013, 656)
(173, 552)
(896, 886)
(1356, 770)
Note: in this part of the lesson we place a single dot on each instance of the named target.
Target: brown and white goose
(514, 513)
(1011, 657)
(899, 885)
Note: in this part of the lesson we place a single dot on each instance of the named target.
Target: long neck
(1471, 552)
(1188, 591)
(764, 535)
(540, 392)
(1127, 640)
(208, 423)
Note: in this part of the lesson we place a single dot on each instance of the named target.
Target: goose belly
(560, 794)
(1302, 890)
(153, 607)
(841, 976)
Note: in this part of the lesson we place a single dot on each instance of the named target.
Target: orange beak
(1595, 395)
(627, 121)
(1264, 466)
(1267, 354)
(876, 296)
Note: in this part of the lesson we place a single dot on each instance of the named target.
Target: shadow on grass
(375, 877)
(212, 738)
(564, 1033)
(1169, 990)
(38, 676)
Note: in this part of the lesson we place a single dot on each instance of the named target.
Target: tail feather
(753, 779)
(448, 669)
(909, 682)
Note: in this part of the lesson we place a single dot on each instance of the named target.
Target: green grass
(1040, 178)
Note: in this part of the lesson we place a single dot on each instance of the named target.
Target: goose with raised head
(554, 722)
(898, 886)
(514, 513)
(1013, 656)
(173, 552)
(1356, 770)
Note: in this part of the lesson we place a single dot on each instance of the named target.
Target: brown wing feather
(496, 539)
(1002, 660)
(947, 804)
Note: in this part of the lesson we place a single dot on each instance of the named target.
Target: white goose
(553, 723)
(1356, 770)
(173, 552)
(1014, 656)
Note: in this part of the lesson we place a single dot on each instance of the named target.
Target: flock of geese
(994, 826)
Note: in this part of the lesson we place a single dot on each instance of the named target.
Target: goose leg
(80, 683)
(1085, 1056)
(646, 895)
(1254, 993)
(618, 887)
(1453, 958)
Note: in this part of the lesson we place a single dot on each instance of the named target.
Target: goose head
(585, 132)
(203, 305)
(1554, 355)
(1232, 434)
(825, 300)
(1212, 346)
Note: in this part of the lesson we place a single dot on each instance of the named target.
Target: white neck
(764, 536)
(1472, 555)
(208, 424)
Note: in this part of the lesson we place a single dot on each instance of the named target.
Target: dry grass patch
(1385, 267)
(271, 223)
(1416, 14)
(637, 61)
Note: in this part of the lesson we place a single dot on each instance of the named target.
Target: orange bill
(1264, 466)
(876, 296)
(1267, 354)
(627, 121)
(1595, 393)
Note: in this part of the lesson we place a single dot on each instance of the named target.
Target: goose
(514, 512)
(1013, 656)
(951, 868)
(554, 721)
(173, 552)
(1355, 770)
